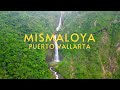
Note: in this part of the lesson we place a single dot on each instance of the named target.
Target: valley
(44, 45)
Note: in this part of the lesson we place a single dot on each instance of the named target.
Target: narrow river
(54, 72)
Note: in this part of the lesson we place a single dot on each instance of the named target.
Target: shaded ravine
(56, 53)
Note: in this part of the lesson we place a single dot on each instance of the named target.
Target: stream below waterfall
(56, 74)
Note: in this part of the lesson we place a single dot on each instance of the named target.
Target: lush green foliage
(101, 61)
(16, 60)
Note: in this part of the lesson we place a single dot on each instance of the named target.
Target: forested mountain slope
(16, 60)
(102, 60)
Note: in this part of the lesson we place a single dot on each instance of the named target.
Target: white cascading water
(59, 25)
(55, 73)
(56, 57)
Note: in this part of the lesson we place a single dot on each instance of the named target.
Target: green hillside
(102, 60)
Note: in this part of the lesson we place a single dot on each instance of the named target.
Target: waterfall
(56, 57)
(59, 25)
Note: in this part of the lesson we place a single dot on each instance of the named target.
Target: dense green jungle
(100, 61)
